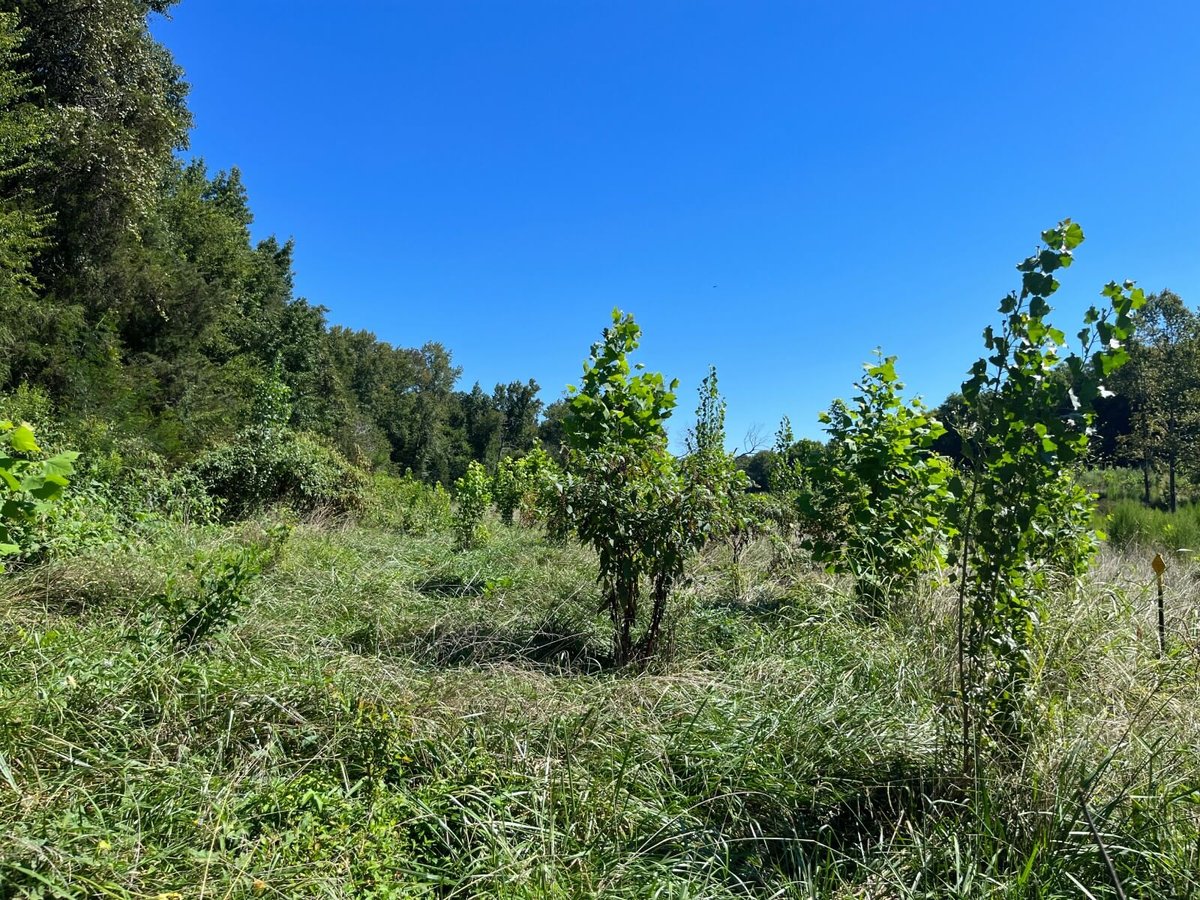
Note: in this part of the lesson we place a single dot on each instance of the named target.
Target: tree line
(132, 293)
(1147, 419)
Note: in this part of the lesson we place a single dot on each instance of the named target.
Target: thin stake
(1159, 568)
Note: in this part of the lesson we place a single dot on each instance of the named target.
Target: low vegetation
(284, 613)
(386, 716)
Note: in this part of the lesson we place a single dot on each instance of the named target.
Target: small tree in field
(624, 495)
(507, 488)
(712, 476)
(1024, 523)
(472, 496)
(877, 492)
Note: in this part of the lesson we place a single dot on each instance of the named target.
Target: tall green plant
(878, 494)
(625, 496)
(1025, 524)
(28, 486)
(715, 484)
(518, 483)
(508, 486)
(472, 496)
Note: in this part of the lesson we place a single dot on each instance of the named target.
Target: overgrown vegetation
(386, 715)
(642, 511)
(472, 497)
(1025, 523)
(242, 654)
(878, 495)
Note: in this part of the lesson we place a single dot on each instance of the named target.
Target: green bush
(407, 505)
(472, 495)
(180, 496)
(268, 466)
(878, 493)
(1130, 523)
(643, 511)
(199, 611)
(30, 487)
(508, 487)
(521, 484)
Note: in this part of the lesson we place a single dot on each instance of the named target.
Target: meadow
(390, 717)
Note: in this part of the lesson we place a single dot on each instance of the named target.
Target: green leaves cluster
(408, 505)
(472, 497)
(518, 483)
(1024, 522)
(643, 511)
(876, 496)
(266, 465)
(28, 486)
(199, 610)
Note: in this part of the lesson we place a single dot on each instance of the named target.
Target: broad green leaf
(9, 479)
(23, 441)
(61, 464)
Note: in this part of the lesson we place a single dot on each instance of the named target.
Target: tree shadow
(855, 813)
(754, 608)
(444, 585)
(549, 645)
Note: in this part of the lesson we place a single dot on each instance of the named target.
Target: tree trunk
(627, 602)
(1171, 480)
(1146, 481)
(661, 588)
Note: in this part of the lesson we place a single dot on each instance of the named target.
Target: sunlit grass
(390, 718)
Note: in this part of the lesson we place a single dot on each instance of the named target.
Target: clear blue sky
(772, 187)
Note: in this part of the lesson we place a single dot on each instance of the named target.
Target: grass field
(389, 718)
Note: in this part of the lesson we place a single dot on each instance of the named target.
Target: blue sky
(774, 188)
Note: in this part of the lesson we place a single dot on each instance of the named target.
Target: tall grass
(390, 718)
(1129, 523)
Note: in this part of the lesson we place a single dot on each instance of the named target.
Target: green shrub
(268, 466)
(472, 496)
(520, 484)
(877, 493)
(643, 511)
(408, 505)
(180, 496)
(1131, 523)
(540, 473)
(508, 487)
(750, 517)
(30, 488)
(201, 610)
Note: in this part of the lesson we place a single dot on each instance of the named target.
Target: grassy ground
(389, 718)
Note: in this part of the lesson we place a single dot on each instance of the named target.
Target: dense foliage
(877, 494)
(29, 486)
(643, 511)
(1026, 523)
(472, 497)
(132, 292)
